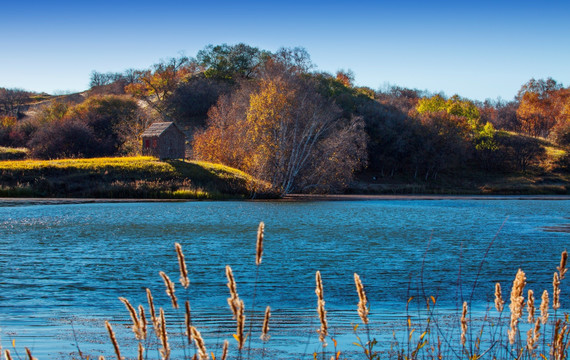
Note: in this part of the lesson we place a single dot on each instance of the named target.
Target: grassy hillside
(128, 177)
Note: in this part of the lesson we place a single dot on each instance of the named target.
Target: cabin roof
(157, 128)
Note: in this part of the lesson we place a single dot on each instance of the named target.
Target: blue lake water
(64, 266)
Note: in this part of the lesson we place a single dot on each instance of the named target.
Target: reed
(363, 309)
(517, 304)
(259, 244)
(499, 302)
(169, 289)
(155, 320)
(323, 331)
(562, 267)
(184, 281)
(464, 324)
(233, 300)
(544, 308)
(200, 345)
(555, 292)
(113, 340)
(265, 328)
(29, 353)
(137, 328)
(165, 350)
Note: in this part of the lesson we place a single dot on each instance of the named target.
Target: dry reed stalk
(29, 353)
(142, 319)
(141, 352)
(155, 320)
(544, 307)
(101, 357)
(323, 331)
(362, 300)
(233, 300)
(134, 317)
(165, 351)
(259, 244)
(532, 336)
(188, 321)
(562, 268)
(517, 304)
(240, 318)
(225, 350)
(530, 307)
(113, 340)
(184, 281)
(557, 350)
(7, 355)
(555, 292)
(265, 328)
(169, 289)
(499, 302)
(200, 345)
(464, 324)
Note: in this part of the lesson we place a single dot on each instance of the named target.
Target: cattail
(142, 322)
(225, 350)
(134, 317)
(141, 352)
(323, 332)
(562, 268)
(233, 300)
(259, 244)
(464, 324)
(544, 307)
(184, 281)
(188, 321)
(240, 317)
(200, 345)
(265, 328)
(165, 351)
(556, 292)
(155, 320)
(113, 340)
(169, 289)
(517, 304)
(29, 353)
(499, 302)
(532, 336)
(530, 307)
(363, 301)
(7, 355)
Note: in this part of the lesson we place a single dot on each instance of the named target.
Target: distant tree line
(272, 115)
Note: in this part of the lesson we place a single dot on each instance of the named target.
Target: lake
(64, 266)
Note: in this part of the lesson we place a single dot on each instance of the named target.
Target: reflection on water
(63, 266)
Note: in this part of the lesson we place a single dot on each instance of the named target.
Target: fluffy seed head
(259, 244)
(544, 307)
(362, 300)
(184, 281)
(499, 302)
(169, 289)
(562, 268)
(265, 329)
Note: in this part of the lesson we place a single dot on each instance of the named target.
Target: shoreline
(6, 201)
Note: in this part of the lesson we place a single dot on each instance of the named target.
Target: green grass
(125, 177)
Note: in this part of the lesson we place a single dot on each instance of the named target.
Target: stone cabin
(164, 140)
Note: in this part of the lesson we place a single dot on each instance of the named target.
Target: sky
(477, 49)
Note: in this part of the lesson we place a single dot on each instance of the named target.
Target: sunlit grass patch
(126, 177)
(9, 153)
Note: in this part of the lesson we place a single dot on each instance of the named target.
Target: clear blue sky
(477, 49)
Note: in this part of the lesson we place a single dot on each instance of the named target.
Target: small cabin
(164, 140)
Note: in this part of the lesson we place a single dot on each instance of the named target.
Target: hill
(127, 177)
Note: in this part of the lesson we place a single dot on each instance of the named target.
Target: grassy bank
(127, 177)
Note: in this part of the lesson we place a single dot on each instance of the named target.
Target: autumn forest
(273, 116)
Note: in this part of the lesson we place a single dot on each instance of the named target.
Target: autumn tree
(282, 131)
(100, 126)
(155, 85)
(541, 103)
